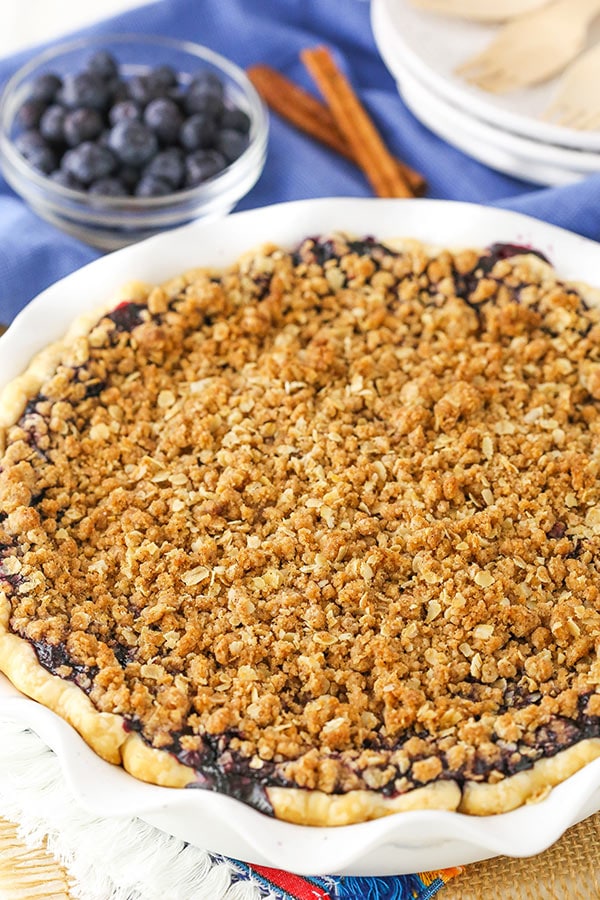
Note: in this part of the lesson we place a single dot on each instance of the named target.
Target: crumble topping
(328, 519)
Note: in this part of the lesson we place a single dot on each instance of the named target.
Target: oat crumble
(328, 519)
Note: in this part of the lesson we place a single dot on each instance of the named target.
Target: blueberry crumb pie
(319, 531)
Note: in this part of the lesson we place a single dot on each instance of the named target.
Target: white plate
(540, 163)
(404, 842)
(503, 150)
(432, 46)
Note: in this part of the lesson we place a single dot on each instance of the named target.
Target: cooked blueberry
(30, 113)
(202, 165)
(108, 187)
(103, 64)
(202, 98)
(198, 132)
(168, 165)
(88, 162)
(164, 118)
(82, 125)
(133, 143)
(124, 111)
(231, 143)
(83, 89)
(44, 87)
(52, 124)
(162, 77)
(28, 142)
(65, 179)
(236, 119)
(152, 186)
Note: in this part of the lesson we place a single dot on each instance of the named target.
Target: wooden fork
(576, 103)
(533, 47)
(481, 10)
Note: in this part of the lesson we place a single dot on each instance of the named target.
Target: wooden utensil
(577, 103)
(480, 10)
(533, 47)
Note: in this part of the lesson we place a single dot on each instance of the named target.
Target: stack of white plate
(422, 51)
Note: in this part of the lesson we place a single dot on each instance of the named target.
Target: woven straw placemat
(570, 870)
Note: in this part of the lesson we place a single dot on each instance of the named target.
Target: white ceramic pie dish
(404, 842)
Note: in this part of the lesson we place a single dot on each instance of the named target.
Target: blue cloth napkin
(33, 254)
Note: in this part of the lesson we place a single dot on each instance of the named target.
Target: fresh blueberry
(235, 119)
(43, 159)
(124, 111)
(52, 124)
(152, 186)
(118, 90)
(142, 90)
(82, 125)
(133, 143)
(198, 132)
(177, 95)
(164, 118)
(203, 98)
(108, 187)
(167, 165)
(208, 80)
(83, 89)
(231, 143)
(44, 87)
(202, 165)
(104, 138)
(88, 162)
(29, 142)
(59, 176)
(162, 77)
(129, 175)
(103, 64)
(30, 113)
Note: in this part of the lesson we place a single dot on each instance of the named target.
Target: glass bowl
(112, 222)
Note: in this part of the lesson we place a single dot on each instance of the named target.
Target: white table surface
(24, 23)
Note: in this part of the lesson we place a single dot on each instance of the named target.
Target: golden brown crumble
(338, 509)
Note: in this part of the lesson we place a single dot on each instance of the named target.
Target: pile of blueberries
(145, 136)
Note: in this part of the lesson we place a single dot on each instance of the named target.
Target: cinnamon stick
(308, 114)
(357, 127)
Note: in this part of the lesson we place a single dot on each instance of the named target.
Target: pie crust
(430, 639)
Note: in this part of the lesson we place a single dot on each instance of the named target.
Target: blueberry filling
(499, 251)
(228, 773)
(55, 656)
(14, 580)
(94, 389)
(319, 251)
(466, 284)
(127, 315)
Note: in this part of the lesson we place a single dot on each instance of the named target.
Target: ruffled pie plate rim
(403, 842)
